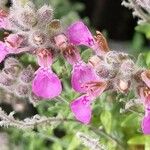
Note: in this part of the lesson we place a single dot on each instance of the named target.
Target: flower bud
(27, 75)
(111, 58)
(45, 14)
(9, 62)
(27, 19)
(33, 98)
(5, 80)
(22, 90)
(54, 26)
(11, 72)
(124, 86)
(127, 67)
(38, 38)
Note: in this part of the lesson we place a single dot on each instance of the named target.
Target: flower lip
(46, 84)
(44, 57)
(81, 109)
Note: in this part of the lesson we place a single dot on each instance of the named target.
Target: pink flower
(3, 51)
(146, 123)
(61, 41)
(13, 42)
(83, 75)
(11, 45)
(70, 52)
(4, 22)
(46, 84)
(44, 57)
(79, 34)
(145, 96)
(81, 109)
(146, 77)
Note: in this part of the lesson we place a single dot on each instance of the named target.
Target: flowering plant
(33, 30)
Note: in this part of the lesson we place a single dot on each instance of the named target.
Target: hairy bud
(27, 19)
(54, 26)
(27, 75)
(9, 62)
(22, 90)
(127, 68)
(38, 39)
(5, 80)
(45, 14)
(34, 99)
(11, 72)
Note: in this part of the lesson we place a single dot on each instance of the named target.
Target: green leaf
(131, 121)
(57, 146)
(106, 119)
(138, 41)
(74, 143)
(86, 54)
(139, 140)
(141, 60)
(144, 28)
(148, 59)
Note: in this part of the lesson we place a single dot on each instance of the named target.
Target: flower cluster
(34, 31)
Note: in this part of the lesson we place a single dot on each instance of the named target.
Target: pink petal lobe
(13, 42)
(82, 74)
(46, 84)
(146, 123)
(79, 34)
(3, 51)
(81, 109)
(4, 22)
(44, 57)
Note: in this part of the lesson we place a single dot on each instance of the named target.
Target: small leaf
(57, 146)
(106, 119)
(139, 140)
(131, 121)
(144, 28)
(86, 54)
(141, 60)
(74, 143)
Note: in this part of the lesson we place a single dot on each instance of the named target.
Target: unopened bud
(27, 75)
(5, 80)
(124, 85)
(111, 58)
(45, 14)
(9, 62)
(94, 61)
(11, 72)
(34, 99)
(54, 26)
(127, 67)
(38, 38)
(27, 19)
(22, 90)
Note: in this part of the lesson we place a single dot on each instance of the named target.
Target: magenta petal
(146, 123)
(13, 42)
(81, 109)
(79, 34)
(46, 84)
(82, 74)
(3, 51)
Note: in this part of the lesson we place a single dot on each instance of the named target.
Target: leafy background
(115, 130)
